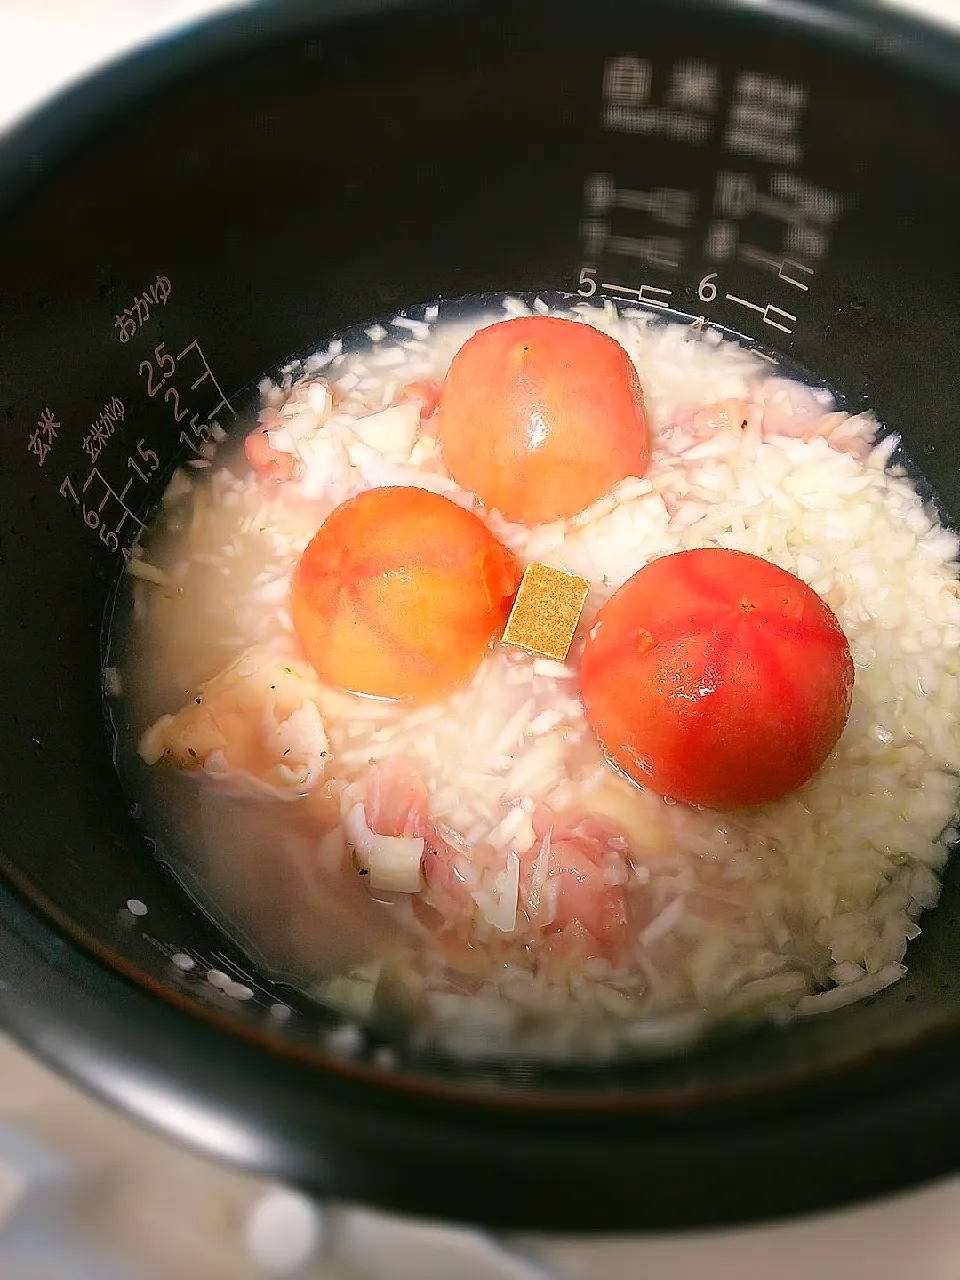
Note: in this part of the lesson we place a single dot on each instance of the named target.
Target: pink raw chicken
(780, 408)
(255, 728)
(569, 889)
(385, 822)
(424, 391)
(567, 892)
(273, 457)
(396, 802)
(572, 885)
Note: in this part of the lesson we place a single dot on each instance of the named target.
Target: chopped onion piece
(147, 572)
(850, 992)
(395, 864)
(500, 907)
(391, 431)
(393, 861)
(352, 992)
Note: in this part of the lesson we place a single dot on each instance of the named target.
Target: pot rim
(101, 1023)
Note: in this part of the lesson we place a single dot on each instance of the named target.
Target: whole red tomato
(717, 678)
(541, 416)
(400, 593)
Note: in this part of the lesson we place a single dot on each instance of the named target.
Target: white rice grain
(850, 861)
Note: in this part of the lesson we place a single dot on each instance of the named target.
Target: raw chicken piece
(743, 416)
(272, 447)
(386, 824)
(426, 393)
(566, 895)
(572, 886)
(396, 802)
(306, 433)
(254, 728)
(779, 408)
(806, 413)
(691, 428)
(269, 463)
(446, 909)
(446, 871)
(792, 409)
(289, 890)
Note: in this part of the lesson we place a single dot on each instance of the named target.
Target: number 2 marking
(177, 415)
(151, 389)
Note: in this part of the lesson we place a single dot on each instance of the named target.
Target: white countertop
(185, 1217)
(46, 43)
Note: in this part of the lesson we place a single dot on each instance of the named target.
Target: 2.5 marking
(161, 369)
(158, 374)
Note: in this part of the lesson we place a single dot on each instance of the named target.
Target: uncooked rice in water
(800, 906)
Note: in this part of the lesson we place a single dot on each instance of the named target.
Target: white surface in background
(946, 12)
(284, 1231)
(46, 44)
(914, 1237)
(189, 1218)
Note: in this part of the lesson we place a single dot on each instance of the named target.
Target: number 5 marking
(588, 283)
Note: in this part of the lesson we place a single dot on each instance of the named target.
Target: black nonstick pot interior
(240, 194)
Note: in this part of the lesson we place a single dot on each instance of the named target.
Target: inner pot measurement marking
(103, 517)
(747, 253)
(767, 312)
(749, 214)
(193, 396)
(653, 296)
(158, 375)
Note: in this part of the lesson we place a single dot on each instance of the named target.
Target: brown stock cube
(546, 611)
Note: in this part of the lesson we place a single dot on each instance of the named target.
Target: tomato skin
(540, 417)
(716, 678)
(400, 593)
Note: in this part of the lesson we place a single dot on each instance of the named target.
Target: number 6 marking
(707, 290)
